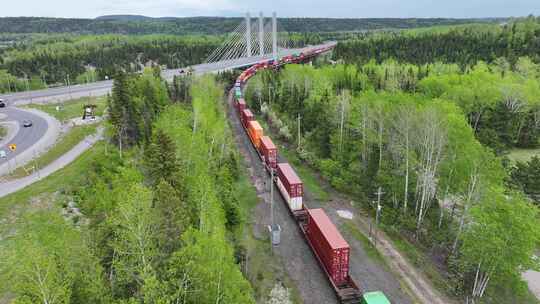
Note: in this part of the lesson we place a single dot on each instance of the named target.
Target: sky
(284, 8)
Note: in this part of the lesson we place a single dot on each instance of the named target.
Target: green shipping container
(375, 297)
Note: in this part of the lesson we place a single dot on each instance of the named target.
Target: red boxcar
(245, 117)
(329, 245)
(240, 105)
(269, 151)
(290, 185)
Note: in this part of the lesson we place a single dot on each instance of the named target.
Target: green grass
(73, 108)
(306, 173)
(523, 155)
(65, 179)
(419, 260)
(66, 143)
(371, 251)
(3, 132)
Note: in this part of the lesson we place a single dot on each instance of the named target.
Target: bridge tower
(261, 34)
(248, 34)
(274, 36)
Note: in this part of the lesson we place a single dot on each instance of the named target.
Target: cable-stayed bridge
(253, 40)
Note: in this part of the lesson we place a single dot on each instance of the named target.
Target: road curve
(30, 141)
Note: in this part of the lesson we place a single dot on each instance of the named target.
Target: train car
(332, 253)
(245, 117)
(375, 297)
(238, 93)
(330, 245)
(290, 186)
(255, 132)
(240, 105)
(268, 152)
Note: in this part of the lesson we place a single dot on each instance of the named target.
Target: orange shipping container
(255, 132)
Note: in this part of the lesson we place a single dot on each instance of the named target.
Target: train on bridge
(328, 245)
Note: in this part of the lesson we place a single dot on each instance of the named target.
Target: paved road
(30, 141)
(18, 184)
(25, 137)
(103, 87)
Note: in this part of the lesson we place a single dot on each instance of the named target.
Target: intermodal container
(255, 132)
(290, 185)
(269, 151)
(240, 105)
(238, 93)
(375, 297)
(329, 245)
(245, 117)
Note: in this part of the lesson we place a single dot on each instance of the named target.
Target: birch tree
(430, 149)
(499, 242)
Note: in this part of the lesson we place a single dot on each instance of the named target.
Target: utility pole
(69, 87)
(378, 213)
(271, 197)
(298, 130)
(341, 123)
(261, 34)
(248, 34)
(274, 36)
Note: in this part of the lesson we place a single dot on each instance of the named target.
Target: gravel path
(18, 184)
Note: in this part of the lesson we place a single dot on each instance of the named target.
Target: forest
(420, 135)
(464, 45)
(209, 25)
(160, 210)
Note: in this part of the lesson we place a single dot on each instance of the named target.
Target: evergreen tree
(160, 160)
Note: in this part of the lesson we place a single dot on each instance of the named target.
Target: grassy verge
(262, 269)
(419, 260)
(3, 132)
(62, 181)
(66, 143)
(72, 109)
(371, 251)
(523, 155)
(306, 173)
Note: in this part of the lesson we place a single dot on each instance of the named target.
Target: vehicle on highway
(329, 247)
(27, 123)
(3, 103)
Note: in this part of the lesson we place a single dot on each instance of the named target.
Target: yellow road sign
(13, 147)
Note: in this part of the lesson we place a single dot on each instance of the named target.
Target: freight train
(328, 245)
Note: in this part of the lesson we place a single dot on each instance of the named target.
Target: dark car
(2, 103)
(27, 123)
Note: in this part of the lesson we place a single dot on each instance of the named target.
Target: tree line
(443, 190)
(209, 25)
(464, 45)
(158, 210)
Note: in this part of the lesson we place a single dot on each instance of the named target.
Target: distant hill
(136, 24)
(124, 17)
